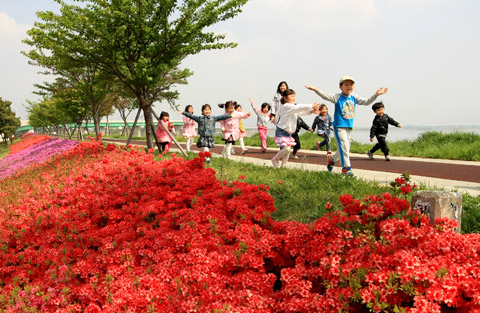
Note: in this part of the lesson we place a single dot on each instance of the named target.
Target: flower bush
(36, 150)
(28, 140)
(108, 229)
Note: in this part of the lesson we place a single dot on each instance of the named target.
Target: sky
(425, 51)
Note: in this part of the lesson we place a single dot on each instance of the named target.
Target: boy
(345, 105)
(380, 130)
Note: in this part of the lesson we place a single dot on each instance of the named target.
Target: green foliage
(139, 45)
(9, 122)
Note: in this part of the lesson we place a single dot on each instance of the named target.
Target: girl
(287, 123)
(323, 123)
(164, 139)
(276, 103)
(262, 119)
(243, 131)
(206, 127)
(188, 131)
(231, 127)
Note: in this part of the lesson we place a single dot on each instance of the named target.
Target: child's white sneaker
(275, 163)
(387, 158)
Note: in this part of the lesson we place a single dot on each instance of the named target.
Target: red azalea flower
(280, 182)
(241, 177)
(173, 155)
(129, 146)
(328, 206)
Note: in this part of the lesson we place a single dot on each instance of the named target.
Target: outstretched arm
(323, 95)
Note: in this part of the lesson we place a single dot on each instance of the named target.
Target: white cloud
(10, 30)
(324, 14)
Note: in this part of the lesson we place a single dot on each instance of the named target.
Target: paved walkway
(449, 175)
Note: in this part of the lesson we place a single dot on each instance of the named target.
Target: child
(287, 123)
(345, 105)
(243, 131)
(206, 127)
(380, 130)
(231, 127)
(277, 98)
(323, 124)
(262, 119)
(300, 124)
(164, 139)
(188, 131)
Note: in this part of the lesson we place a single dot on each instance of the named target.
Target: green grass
(299, 195)
(302, 195)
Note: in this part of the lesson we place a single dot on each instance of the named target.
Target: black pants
(297, 146)
(163, 145)
(381, 144)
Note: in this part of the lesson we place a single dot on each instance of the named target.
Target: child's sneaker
(275, 163)
(387, 158)
(318, 145)
(370, 154)
(330, 162)
(207, 159)
(295, 157)
(347, 171)
(232, 151)
(244, 151)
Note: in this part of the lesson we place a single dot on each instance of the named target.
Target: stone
(437, 204)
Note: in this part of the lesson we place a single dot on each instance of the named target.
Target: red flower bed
(27, 141)
(110, 230)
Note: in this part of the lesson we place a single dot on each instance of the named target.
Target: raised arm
(254, 106)
(323, 95)
(380, 91)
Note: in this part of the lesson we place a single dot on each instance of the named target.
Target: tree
(139, 43)
(9, 122)
(81, 84)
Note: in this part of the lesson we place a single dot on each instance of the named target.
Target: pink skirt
(285, 141)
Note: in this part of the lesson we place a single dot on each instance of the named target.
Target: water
(362, 134)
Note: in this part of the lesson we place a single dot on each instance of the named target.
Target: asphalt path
(436, 169)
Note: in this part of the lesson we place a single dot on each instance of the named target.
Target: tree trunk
(96, 122)
(80, 135)
(86, 127)
(133, 126)
(147, 114)
(107, 128)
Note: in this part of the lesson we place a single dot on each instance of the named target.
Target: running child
(323, 124)
(380, 130)
(188, 131)
(345, 107)
(206, 127)
(243, 131)
(231, 127)
(164, 139)
(262, 122)
(287, 123)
